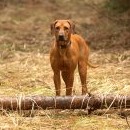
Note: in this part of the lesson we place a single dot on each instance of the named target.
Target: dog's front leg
(57, 82)
(68, 78)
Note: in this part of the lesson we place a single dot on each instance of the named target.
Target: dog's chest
(64, 63)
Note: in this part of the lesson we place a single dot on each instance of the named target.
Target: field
(25, 40)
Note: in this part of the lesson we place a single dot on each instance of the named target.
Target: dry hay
(30, 74)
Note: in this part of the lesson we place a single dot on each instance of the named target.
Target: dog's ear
(52, 26)
(72, 25)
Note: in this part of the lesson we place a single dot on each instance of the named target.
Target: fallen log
(65, 102)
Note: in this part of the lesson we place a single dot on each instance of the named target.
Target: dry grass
(25, 67)
(30, 74)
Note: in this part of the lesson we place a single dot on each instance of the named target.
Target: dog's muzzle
(61, 38)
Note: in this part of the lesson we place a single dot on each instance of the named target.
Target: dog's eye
(57, 28)
(66, 28)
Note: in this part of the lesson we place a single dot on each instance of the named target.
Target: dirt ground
(25, 68)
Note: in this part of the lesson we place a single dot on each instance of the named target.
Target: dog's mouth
(64, 45)
(62, 42)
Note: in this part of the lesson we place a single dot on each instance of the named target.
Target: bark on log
(65, 102)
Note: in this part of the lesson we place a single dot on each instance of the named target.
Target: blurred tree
(119, 5)
(3, 3)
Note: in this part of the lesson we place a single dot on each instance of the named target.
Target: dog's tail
(91, 65)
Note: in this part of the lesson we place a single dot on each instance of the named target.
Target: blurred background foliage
(25, 24)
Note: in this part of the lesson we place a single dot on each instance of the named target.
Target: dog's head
(62, 29)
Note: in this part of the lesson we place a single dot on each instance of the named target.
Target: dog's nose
(61, 38)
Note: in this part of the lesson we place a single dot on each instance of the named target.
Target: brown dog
(68, 50)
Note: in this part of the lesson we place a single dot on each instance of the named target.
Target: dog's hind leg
(82, 67)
